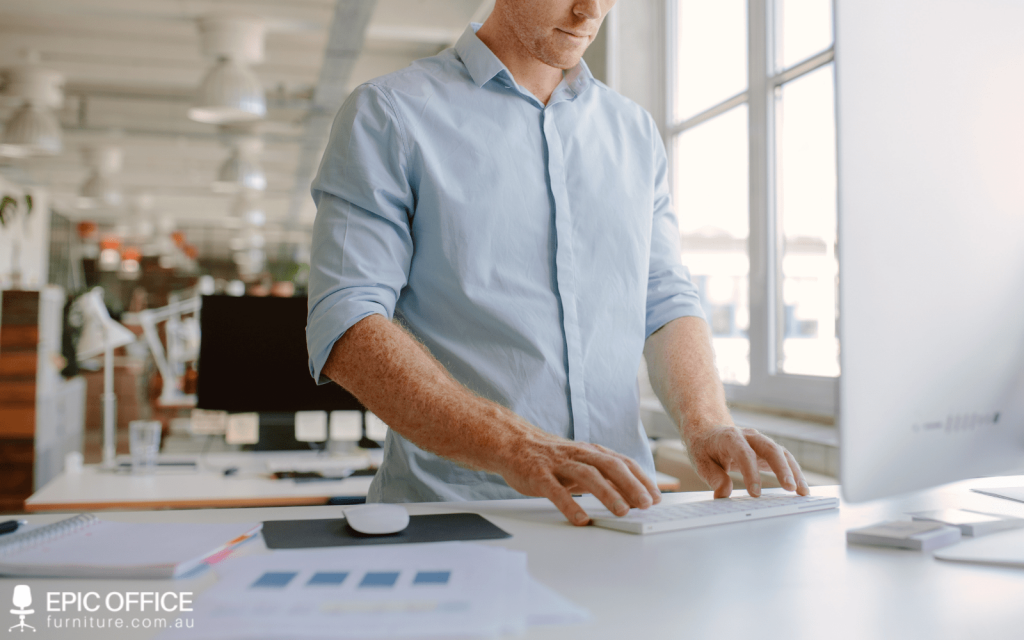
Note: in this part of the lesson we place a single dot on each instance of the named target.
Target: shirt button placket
(565, 269)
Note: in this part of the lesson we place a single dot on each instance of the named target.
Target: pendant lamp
(230, 91)
(242, 170)
(33, 130)
(101, 188)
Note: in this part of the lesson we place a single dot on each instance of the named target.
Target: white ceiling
(132, 67)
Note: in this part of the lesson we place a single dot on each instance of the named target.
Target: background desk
(203, 487)
(790, 578)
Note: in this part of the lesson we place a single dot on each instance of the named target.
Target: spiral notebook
(86, 547)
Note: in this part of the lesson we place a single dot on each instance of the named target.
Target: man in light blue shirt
(512, 215)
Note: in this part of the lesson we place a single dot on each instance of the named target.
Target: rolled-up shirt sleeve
(362, 241)
(670, 292)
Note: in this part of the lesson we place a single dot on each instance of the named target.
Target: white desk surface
(204, 486)
(789, 578)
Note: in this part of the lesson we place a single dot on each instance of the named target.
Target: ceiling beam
(344, 42)
(412, 33)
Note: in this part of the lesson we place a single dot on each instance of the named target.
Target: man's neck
(535, 76)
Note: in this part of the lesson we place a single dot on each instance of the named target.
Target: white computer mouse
(377, 519)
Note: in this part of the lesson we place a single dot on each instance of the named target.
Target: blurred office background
(163, 150)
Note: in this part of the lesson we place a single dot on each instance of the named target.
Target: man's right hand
(396, 377)
(550, 467)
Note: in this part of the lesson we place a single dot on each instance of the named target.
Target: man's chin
(563, 60)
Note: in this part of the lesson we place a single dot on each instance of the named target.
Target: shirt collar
(483, 65)
(480, 61)
(578, 78)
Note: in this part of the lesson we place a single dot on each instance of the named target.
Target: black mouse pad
(334, 532)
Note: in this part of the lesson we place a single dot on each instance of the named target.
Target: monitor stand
(277, 433)
(366, 443)
(1008, 493)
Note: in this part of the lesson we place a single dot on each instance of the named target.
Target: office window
(806, 215)
(751, 139)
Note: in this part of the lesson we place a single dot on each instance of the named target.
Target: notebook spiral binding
(22, 540)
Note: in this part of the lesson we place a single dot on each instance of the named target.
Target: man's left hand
(717, 450)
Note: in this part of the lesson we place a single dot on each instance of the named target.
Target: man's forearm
(397, 378)
(681, 366)
(394, 376)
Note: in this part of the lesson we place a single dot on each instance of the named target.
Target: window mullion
(670, 35)
(708, 114)
(762, 249)
(803, 68)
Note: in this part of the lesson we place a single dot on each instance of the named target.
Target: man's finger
(562, 499)
(622, 477)
(801, 482)
(775, 456)
(647, 481)
(637, 471)
(592, 481)
(717, 479)
(744, 457)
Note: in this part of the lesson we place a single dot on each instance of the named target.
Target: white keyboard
(663, 517)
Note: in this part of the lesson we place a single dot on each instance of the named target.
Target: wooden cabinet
(41, 414)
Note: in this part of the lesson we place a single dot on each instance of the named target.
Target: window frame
(769, 387)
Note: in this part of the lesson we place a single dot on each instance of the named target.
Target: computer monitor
(930, 117)
(252, 357)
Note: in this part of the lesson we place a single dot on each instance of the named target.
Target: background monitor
(252, 357)
(930, 116)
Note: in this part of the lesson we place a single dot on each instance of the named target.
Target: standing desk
(789, 578)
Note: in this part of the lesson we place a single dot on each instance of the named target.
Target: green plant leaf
(8, 206)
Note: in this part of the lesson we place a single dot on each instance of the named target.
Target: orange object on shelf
(87, 230)
(110, 242)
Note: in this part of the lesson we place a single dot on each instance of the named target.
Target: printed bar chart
(371, 579)
(441, 589)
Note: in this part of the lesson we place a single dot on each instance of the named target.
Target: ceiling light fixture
(249, 209)
(101, 188)
(33, 130)
(231, 92)
(242, 170)
(142, 209)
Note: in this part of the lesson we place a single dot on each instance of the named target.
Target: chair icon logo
(22, 599)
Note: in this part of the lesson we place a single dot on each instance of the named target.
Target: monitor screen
(253, 358)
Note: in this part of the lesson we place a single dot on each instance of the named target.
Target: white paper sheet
(243, 428)
(346, 426)
(105, 549)
(1001, 549)
(310, 426)
(391, 591)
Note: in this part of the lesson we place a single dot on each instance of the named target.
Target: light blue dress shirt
(532, 248)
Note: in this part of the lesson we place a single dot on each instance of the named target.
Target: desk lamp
(170, 394)
(101, 334)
